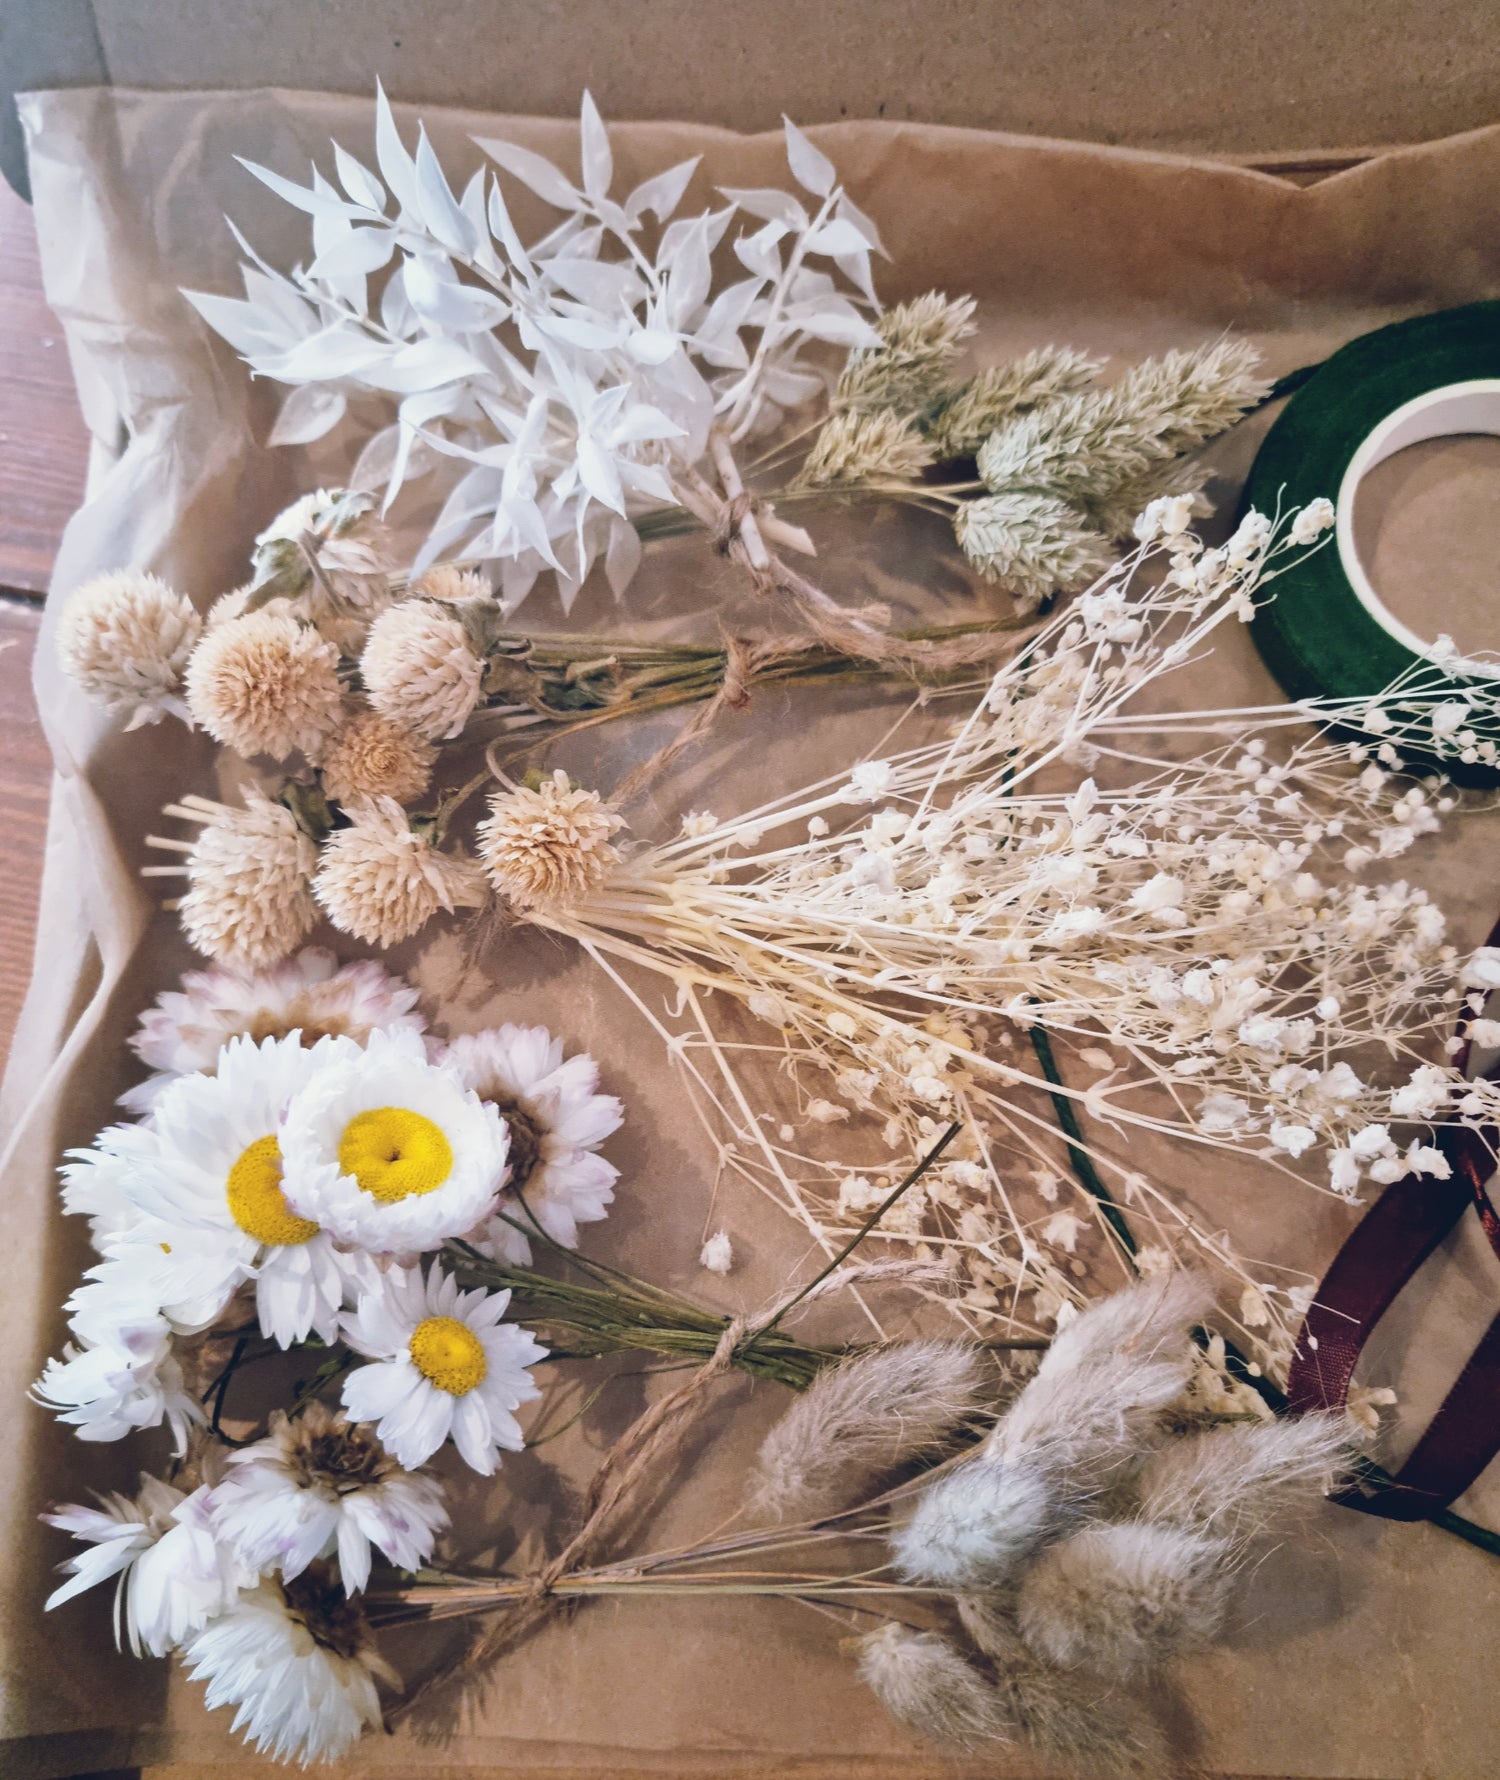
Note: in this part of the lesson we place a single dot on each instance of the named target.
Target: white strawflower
(297, 1662)
(94, 1182)
(173, 1574)
(310, 993)
(211, 1196)
(320, 1486)
(249, 898)
(444, 1367)
(419, 670)
(382, 880)
(125, 639)
(119, 1375)
(555, 1119)
(391, 1152)
(265, 684)
(373, 757)
(548, 847)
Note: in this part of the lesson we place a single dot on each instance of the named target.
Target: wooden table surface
(43, 453)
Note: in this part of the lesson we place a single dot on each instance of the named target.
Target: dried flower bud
(373, 757)
(548, 847)
(340, 530)
(265, 684)
(974, 1527)
(419, 670)
(248, 900)
(1035, 544)
(452, 586)
(919, 343)
(382, 881)
(865, 447)
(125, 639)
(970, 414)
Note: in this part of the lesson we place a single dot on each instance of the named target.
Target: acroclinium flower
(556, 1120)
(550, 846)
(383, 880)
(419, 670)
(390, 1152)
(118, 1374)
(211, 1191)
(443, 1366)
(125, 639)
(297, 1663)
(173, 1575)
(265, 684)
(320, 1486)
(311, 994)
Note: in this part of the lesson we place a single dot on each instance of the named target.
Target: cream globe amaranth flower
(419, 670)
(124, 638)
(211, 1190)
(319, 1486)
(373, 757)
(311, 994)
(383, 880)
(249, 899)
(173, 1574)
(550, 846)
(297, 1663)
(390, 1152)
(443, 1367)
(555, 1119)
(265, 684)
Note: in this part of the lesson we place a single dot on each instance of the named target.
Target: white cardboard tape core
(1472, 407)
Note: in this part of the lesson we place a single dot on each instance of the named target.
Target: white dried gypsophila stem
(573, 380)
(1191, 921)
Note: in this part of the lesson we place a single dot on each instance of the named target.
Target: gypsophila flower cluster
(305, 1158)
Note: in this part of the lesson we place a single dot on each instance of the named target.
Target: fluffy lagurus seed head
(974, 1527)
(549, 847)
(1122, 1598)
(926, 1682)
(125, 639)
(265, 684)
(860, 1420)
(373, 757)
(249, 899)
(382, 881)
(419, 671)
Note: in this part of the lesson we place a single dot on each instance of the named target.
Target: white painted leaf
(648, 479)
(791, 388)
(641, 422)
(604, 284)
(651, 346)
(358, 181)
(838, 236)
(811, 168)
(335, 352)
(355, 254)
(718, 337)
(390, 155)
(315, 203)
(662, 192)
(849, 209)
(710, 225)
(248, 329)
(307, 414)
(761, 253)
(596, 470)
(622, 556)
(769, 203)
(426, 364)
(598, 163)
(574, 332)
(691, 276)
(842, 326)
(504, 231)
(856, 268)
(445, 303)
(534, 171)
(440, 210)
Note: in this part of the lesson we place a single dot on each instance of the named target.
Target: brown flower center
(336, 1459)
(316, 1599)
(527, 1135)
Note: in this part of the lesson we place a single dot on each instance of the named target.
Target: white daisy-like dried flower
(265, 684)
(125, 638)
(382, 881)
(249, 899)
(451, 586)
(548, 847)
(389, 1152)
(320, 1485)
(373, 757)
(172, 1573)
(311, 994)
(297, 1662)
(419, 670)
(443, 1367)
(555, 1119)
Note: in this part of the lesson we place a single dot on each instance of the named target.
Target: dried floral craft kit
(969, 1010)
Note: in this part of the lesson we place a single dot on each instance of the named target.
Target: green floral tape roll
(1327, 634)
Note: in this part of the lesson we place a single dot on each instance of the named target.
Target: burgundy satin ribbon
(1386, 1248)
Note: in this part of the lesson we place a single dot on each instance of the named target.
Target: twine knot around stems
(731, 519)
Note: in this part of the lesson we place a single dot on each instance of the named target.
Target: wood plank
(43, 441)
(25, 777)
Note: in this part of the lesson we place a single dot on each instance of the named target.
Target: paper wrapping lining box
(1363, 1652)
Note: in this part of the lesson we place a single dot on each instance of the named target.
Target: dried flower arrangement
(1172, 905)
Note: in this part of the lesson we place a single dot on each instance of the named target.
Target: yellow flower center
(449, 1354)
(257, 1203)
(394, 1154)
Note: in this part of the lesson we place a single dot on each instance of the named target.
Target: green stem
(1079, 1160)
